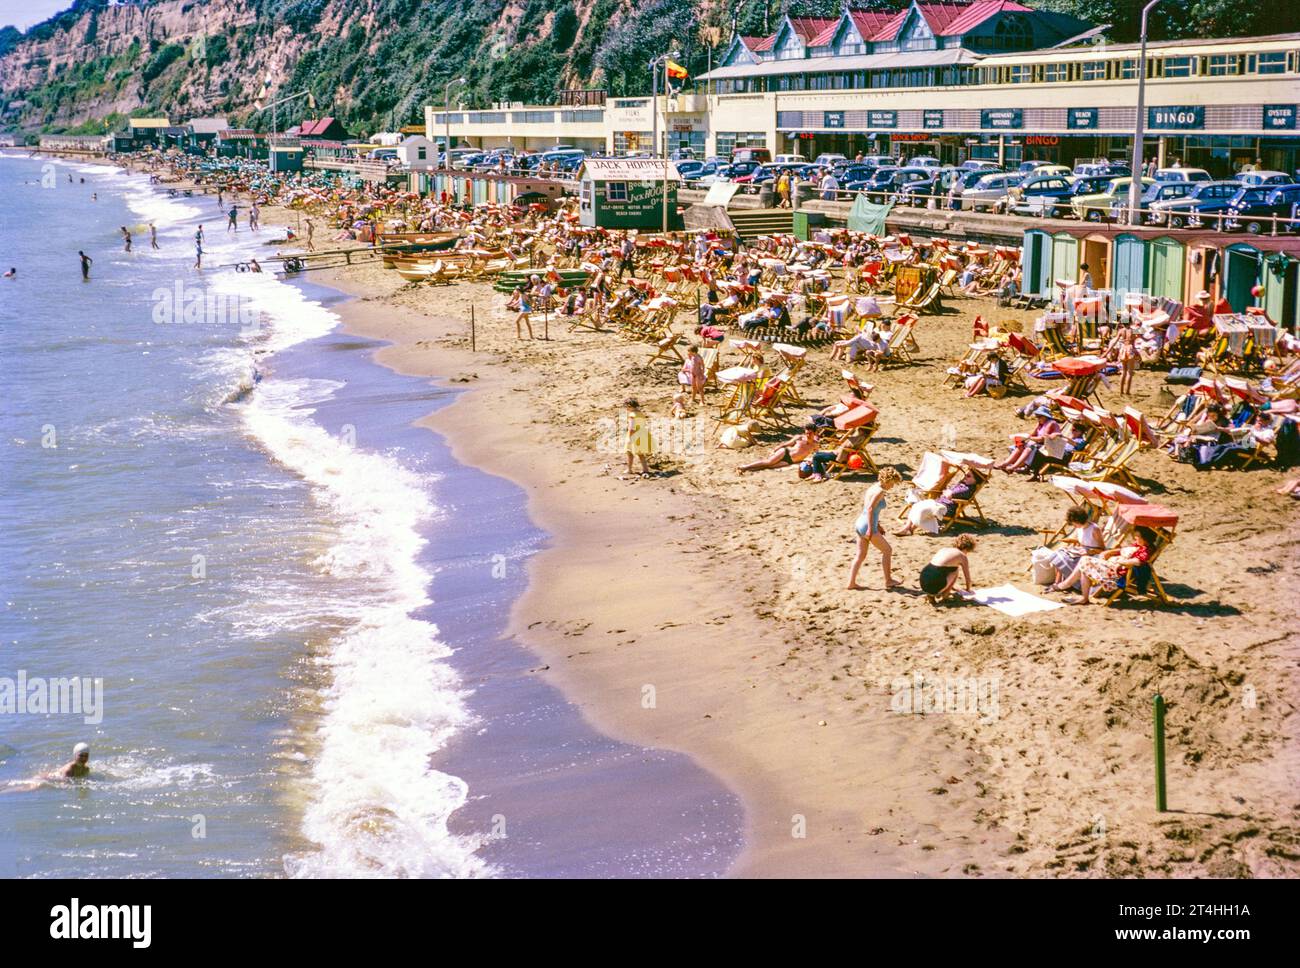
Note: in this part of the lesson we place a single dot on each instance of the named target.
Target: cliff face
(370, 62)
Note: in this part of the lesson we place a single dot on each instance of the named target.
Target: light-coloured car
(1183, 174)
(790, 160)
(1252, 178)
(1095, 208)
(826, 160)
(990, 190)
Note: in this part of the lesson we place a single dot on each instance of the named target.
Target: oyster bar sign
(1176, 118)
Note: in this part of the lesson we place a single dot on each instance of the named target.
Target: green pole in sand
(1159, 709)
(473, 336)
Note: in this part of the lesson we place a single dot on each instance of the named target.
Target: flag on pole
(675, 71)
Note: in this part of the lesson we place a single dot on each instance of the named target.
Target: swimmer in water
(13, 271)
(80, 765)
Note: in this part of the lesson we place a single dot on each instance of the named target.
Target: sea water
(215, 508)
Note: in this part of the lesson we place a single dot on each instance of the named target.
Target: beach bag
(1041, 565)
(1288, 444)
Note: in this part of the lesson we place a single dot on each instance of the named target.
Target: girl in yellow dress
(638, 442)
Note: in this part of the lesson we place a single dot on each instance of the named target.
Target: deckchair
(981, 468)
(770, 400)
(1163, 522)
(948, 283)
(741, 383)
(711, 356)
(666, 349)
(1111, 466)
(1055, 344)
(858, 425)
(972, 362)
(794, 358)
(923, 300)
(900, 339)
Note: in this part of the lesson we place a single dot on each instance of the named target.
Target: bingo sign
(832, 119)
(1081, 119)
(1002, 119)
(882, 119)
(933, 119)
(1278, 117)
(1185, 118)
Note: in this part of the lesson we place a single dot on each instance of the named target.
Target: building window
(1093, 71)
(1125, 70)
(1056, 72)
(1013, 32)
(1220, 65)
(1269, 62)
(421, 153)
(1020, 74)
(616, 191)
(1179, 66)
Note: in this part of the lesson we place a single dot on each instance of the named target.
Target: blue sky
(23, 13)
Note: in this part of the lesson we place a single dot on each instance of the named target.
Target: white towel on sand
(1010, 600)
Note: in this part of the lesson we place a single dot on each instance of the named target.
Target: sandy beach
(725, 595)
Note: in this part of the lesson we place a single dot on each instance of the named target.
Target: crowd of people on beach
(860, 296)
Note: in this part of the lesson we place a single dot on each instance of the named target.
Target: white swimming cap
(80, 748)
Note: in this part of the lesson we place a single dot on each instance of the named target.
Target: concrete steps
(752, 223)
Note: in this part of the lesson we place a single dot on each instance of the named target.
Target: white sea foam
(376, 807)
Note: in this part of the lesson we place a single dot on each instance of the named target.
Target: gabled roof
(955, 19)
(315, 126)
(815, 31)
(208, 125)
(877, 24)
(758, 44)
(237, 134)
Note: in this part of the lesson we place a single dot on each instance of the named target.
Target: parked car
(979, 164)
(989, 190)
(1052, 170)
(917, 192)
(711, 172)
(1213, 212)
(855, 176)
(760, 155)
(1161, 192)
(1026, 167)
(1183, 174)
(1174, 212)
(682, 154)
(689, 168)
(790, 160)
(1094, 208)
(1265, 178)
(892, 185)
(742, 172)
(1097, 169)
(878, 161)
(1254, 208)
(1039, 195)
(826, 159)
(970, 177)
(924, 161)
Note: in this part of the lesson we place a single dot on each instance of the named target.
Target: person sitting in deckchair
(1024, 451)
(928, 515)
(1102, 571)
(815, 467)
(1057, 452)
(993, 375)
(939, 577)
(788, 453)
(1084, 538)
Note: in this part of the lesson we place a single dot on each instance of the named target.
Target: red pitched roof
(954, 19)
(758, 44)
(877, 24)
(812, 29)
(315, 126)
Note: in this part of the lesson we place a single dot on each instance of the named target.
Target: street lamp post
(1135, 183)
(660, 62)
(446, 119)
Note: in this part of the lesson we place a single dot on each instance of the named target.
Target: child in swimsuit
(940, 575)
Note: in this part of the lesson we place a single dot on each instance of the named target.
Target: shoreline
(606, 686)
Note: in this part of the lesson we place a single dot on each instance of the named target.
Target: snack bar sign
(1186, 118)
